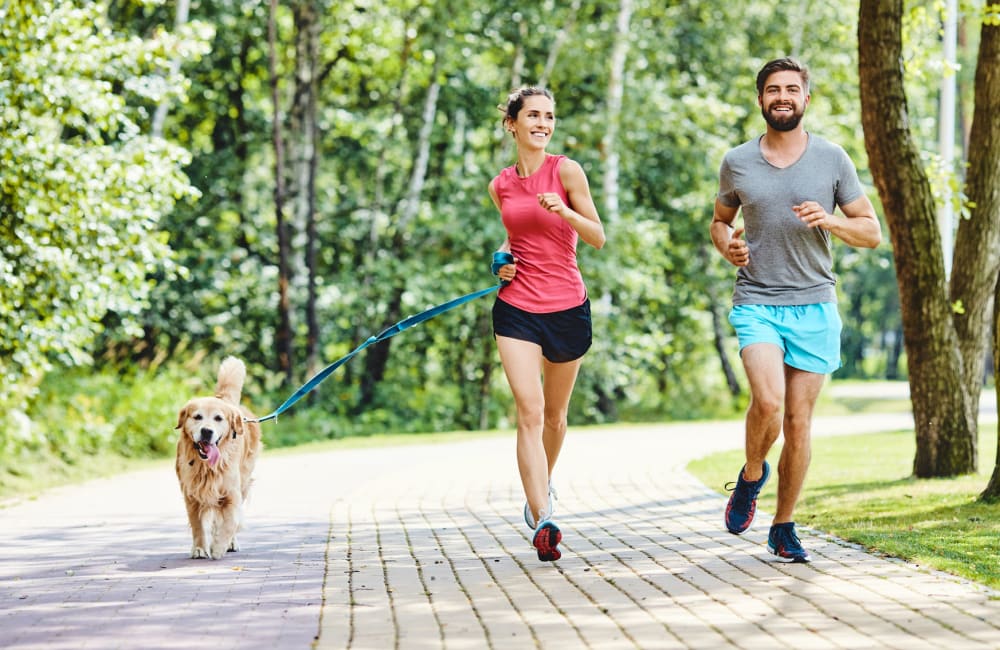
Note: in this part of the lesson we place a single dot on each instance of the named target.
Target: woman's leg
(557, 388)
(522, 363)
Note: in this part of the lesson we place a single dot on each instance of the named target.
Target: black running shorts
(563, 335)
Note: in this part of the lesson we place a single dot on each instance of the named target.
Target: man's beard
(783, 122)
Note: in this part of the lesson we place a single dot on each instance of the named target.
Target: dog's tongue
(213, 454)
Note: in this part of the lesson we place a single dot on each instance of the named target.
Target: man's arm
(728, 241)
(859, 227)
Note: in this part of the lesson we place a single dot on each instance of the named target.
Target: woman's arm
(582, 216)
(507, 271)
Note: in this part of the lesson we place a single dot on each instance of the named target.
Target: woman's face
(535, 122)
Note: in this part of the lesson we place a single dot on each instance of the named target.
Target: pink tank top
(548, 278)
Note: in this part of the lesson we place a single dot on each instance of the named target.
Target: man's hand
(738, 253)
(813, 215)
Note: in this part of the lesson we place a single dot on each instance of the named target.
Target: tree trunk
(977, 243)
(418, 175)
(894, 354)
(944, 418)
(377, 356)
(160, 116)
(557, 43)
(283, 337)
(305, 132)
(984, 180)
(616, 83)
(487, 362)
(516, 70)
(379, 201)
(719, 338)
(853, 345)
(717, 311)
(992, 491)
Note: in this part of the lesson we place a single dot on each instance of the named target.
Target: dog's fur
(216, 454)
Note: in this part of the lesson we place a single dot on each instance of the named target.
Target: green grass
(29, 475)
(858, 397)
(385, 440)
(860, 489)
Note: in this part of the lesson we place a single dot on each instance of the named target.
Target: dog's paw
(234, 545)
(198, 553)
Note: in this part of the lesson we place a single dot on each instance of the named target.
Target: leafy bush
(132, 414)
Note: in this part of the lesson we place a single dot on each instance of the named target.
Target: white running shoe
(530, 520)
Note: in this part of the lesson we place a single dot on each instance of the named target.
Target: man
(787, 184)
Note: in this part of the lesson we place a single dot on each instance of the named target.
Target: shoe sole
(546, 542)
(797, 559)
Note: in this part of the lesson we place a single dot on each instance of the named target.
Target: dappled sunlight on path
(424, 546)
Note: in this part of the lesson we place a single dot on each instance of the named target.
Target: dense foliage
(150, 253)
(84, 187)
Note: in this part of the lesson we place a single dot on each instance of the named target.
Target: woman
(541, 318)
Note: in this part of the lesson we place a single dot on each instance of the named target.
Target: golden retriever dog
(216, 454)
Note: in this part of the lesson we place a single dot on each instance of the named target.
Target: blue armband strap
(500, 258)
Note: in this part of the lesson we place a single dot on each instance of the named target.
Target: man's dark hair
(784, 63)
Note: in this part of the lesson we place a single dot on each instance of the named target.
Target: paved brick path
(424, 547)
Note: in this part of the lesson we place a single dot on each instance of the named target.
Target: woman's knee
(556, 420)
(530, 416)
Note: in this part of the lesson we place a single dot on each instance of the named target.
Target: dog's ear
(183, 415)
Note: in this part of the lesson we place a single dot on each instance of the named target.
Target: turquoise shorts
(809, 335)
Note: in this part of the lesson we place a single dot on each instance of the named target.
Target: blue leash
(499, 259)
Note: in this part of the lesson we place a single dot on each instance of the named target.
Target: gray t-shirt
(790, 264)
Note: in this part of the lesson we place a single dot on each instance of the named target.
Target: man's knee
(765, 406)
(797, 423)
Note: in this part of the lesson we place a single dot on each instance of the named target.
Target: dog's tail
(232, 373)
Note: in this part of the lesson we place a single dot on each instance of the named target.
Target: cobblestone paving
(424, 547)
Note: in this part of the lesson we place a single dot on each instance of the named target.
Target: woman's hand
(552, 202)
(507, 271)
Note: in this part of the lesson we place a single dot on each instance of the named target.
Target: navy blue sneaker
(784, 543)
(742, 504)
(546, 540)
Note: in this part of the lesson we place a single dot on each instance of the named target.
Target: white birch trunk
(616, 85)
(160, 116)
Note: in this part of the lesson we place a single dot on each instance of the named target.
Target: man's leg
(801, 391)
(765, 371)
